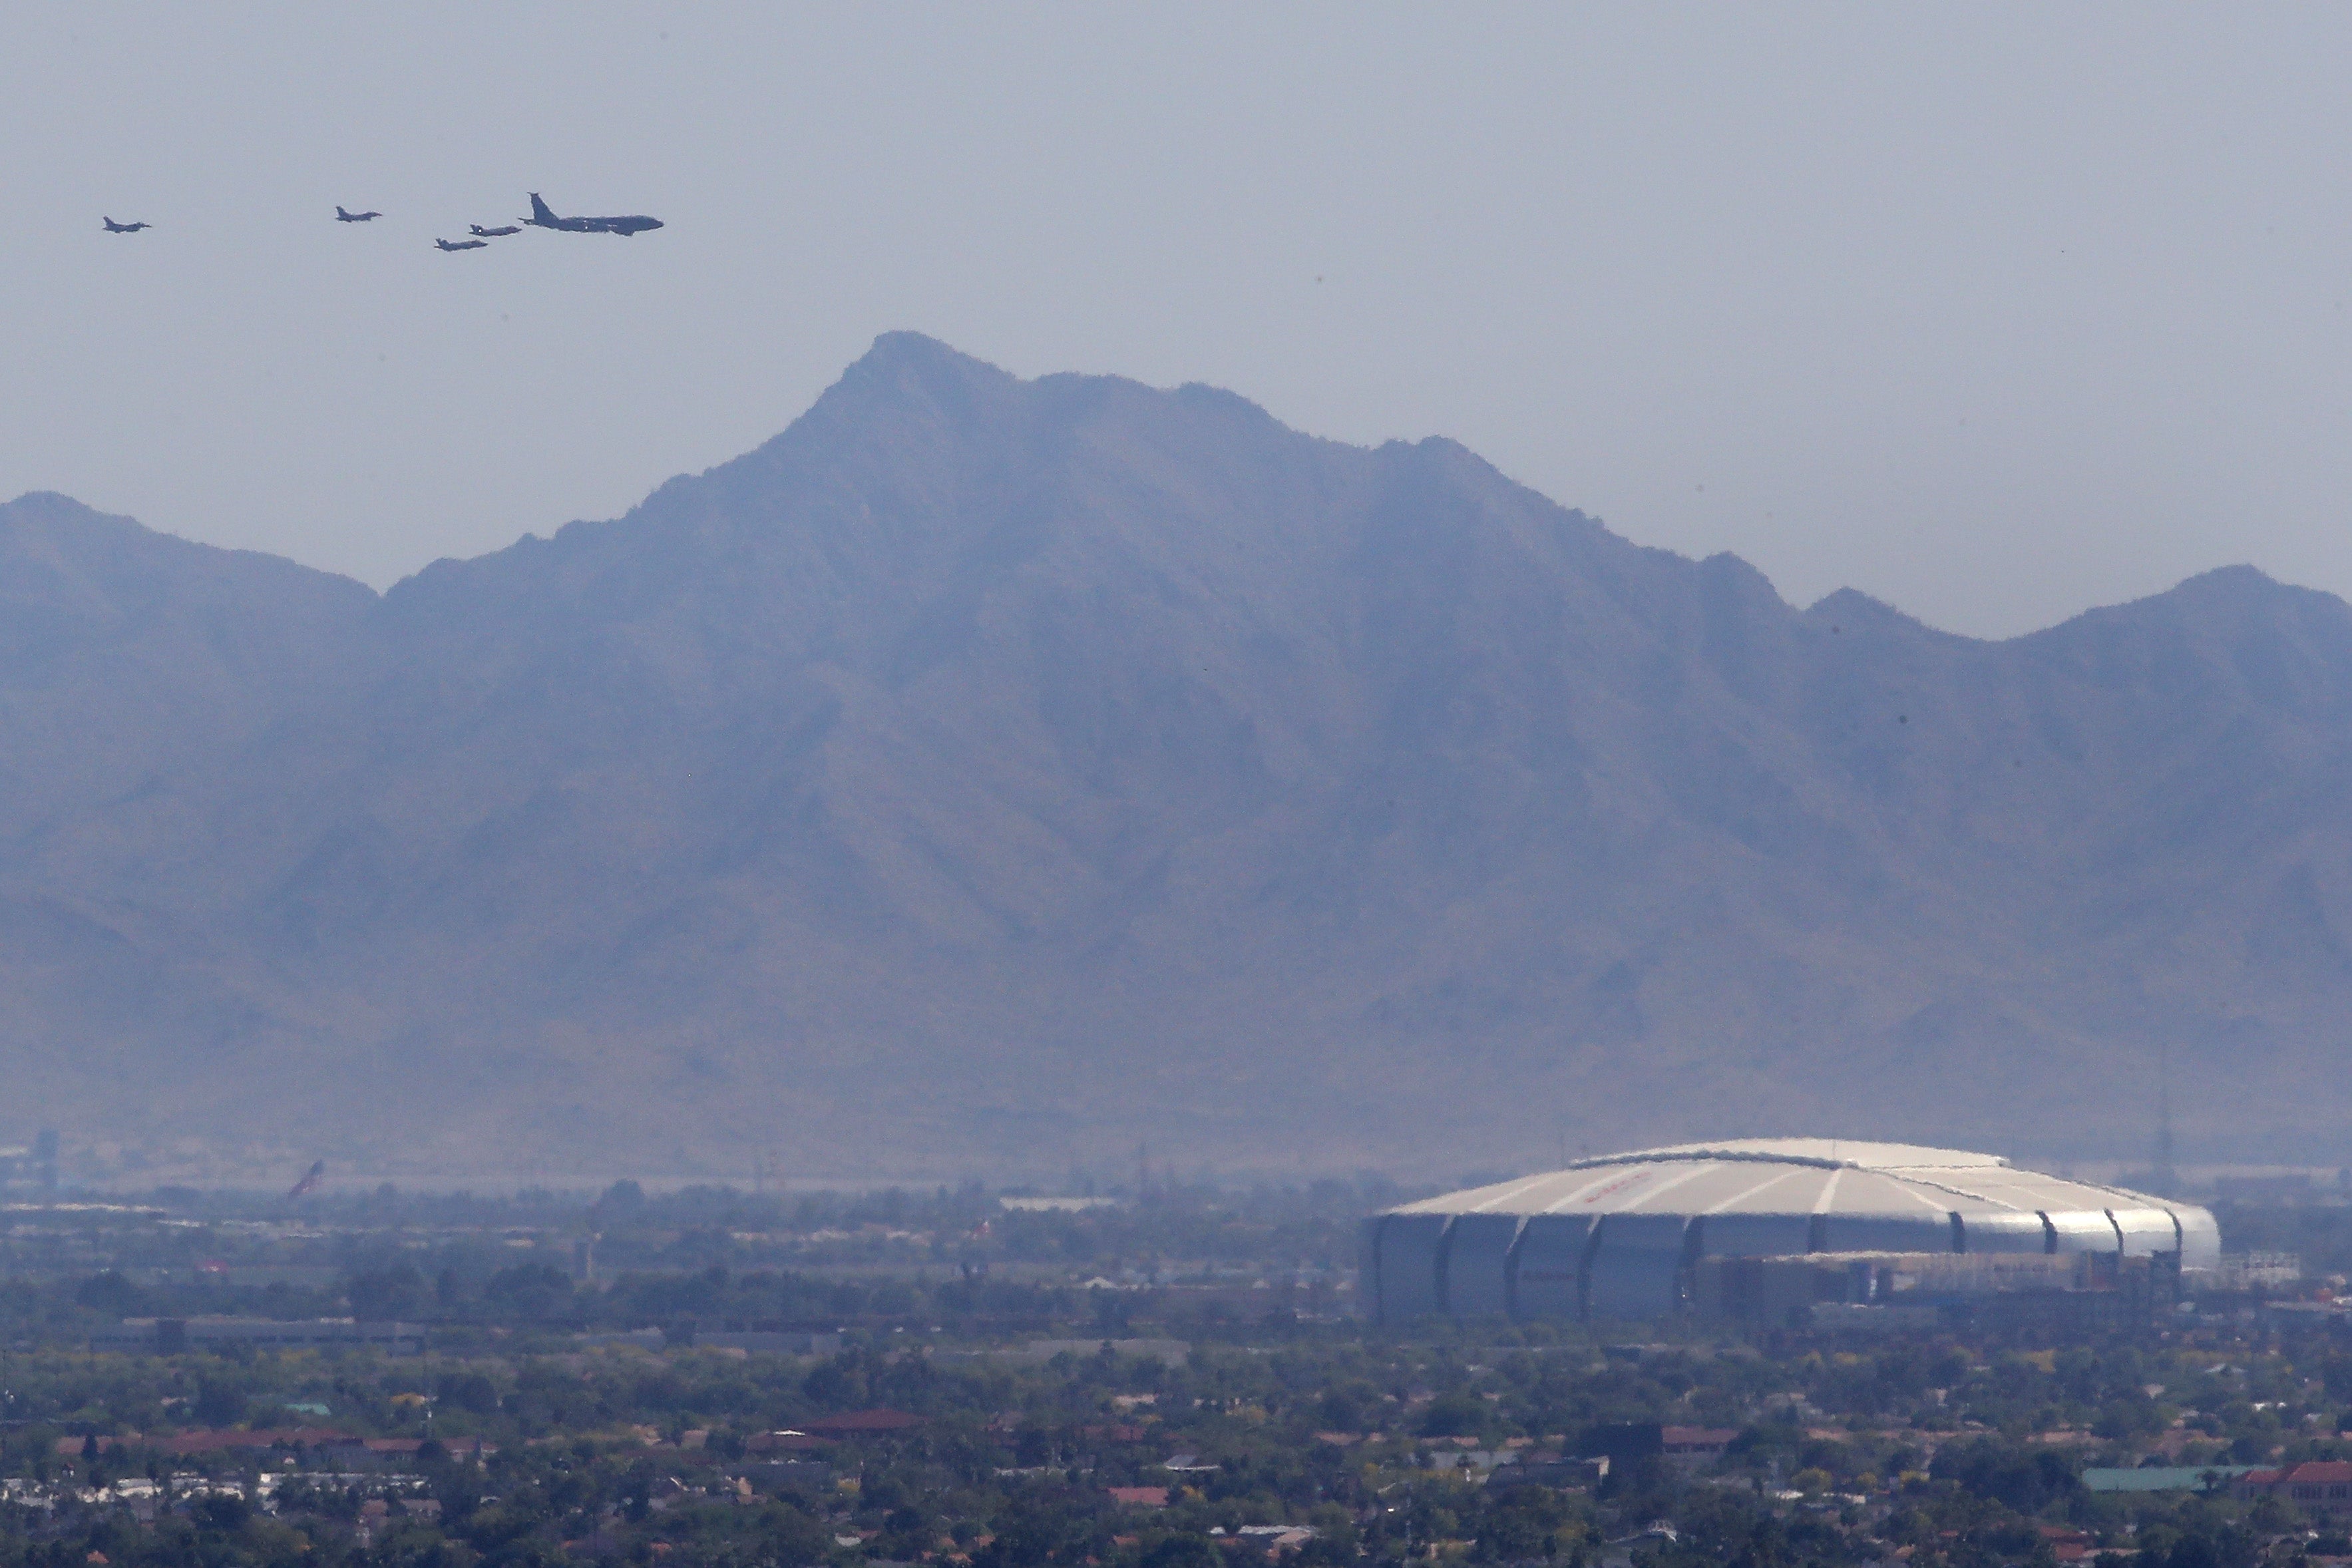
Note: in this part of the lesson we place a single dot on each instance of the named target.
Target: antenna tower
(2166, 1180)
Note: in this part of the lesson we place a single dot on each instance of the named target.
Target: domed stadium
(1649, 1233)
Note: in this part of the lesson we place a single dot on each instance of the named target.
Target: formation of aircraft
(541, 216)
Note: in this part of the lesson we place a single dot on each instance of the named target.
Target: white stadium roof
(1609, 1234)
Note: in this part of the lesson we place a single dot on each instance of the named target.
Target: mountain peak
(905, 380)
(1851, 610)
(2241, 584)
(45, 503)
(2239, 596)
(910, 360)
(49, 512)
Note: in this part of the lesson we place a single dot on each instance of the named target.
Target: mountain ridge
(989, 771)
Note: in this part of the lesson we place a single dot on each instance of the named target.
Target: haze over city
(656, 592)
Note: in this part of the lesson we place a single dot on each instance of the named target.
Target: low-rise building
(2162, 1477)
(865, 1424)
(169, 1336)
(1695, 1447)
(763, 1342)
(2321, 1488)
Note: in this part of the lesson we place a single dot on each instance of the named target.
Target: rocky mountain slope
(994, 774)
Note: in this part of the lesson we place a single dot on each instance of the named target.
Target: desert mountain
(992, 775)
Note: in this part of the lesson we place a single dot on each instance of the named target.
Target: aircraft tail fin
(342, 213)
(540, 211)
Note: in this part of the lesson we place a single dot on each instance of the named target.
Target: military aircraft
(343, 216)
(114, 227)
(463, 244)
(481, 233)
(540, 217)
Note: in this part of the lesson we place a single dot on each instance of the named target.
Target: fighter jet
(343, 216)
(114, 227)
(541, 218)
(481, 233)
(463, 244)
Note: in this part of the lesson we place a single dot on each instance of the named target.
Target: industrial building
(1646, 1234)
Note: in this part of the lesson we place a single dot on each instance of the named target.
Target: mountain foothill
(994, 776)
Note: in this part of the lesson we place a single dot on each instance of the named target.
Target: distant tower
(45, 1158)
(2166, 1180)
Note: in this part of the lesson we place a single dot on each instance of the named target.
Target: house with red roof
(2321, 1488)
(862, 1424)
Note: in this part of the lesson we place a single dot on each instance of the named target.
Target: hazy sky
(1994, 313)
